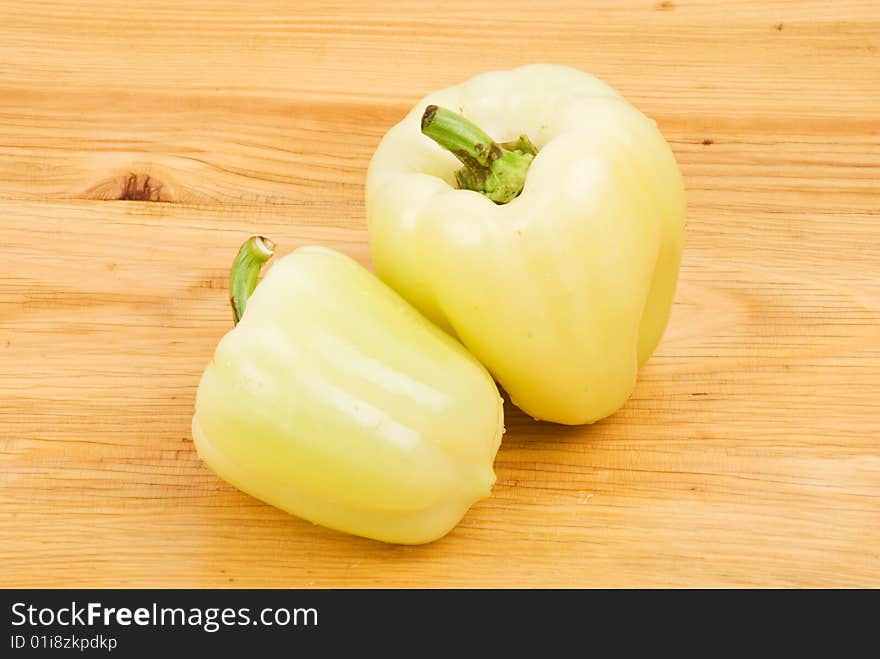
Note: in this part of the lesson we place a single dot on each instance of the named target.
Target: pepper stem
(497, 171)
(255, 251)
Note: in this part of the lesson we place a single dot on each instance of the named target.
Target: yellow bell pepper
(335, 400)
(538, 217)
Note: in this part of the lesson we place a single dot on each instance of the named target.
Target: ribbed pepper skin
(336, 401)
(565, 291)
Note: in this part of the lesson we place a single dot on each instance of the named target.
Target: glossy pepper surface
(336, 401)
(539, 217)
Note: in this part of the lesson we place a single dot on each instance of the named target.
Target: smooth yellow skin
(565, 291)
(336, 401)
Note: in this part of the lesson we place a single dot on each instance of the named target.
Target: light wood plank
(749, 454)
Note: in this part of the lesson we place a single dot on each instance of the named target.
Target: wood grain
(140, 143)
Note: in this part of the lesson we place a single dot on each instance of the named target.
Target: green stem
(496, 170)
(246, 271)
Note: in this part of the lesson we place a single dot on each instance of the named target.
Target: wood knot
(664, 6)
(140, 188)
(130, 187)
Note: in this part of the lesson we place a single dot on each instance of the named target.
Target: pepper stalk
(497, 171)
(245, 272)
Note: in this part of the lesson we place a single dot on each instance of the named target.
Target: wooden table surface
(141, 142)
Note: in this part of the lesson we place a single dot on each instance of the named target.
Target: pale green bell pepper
(538, 217)
(335, 400)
